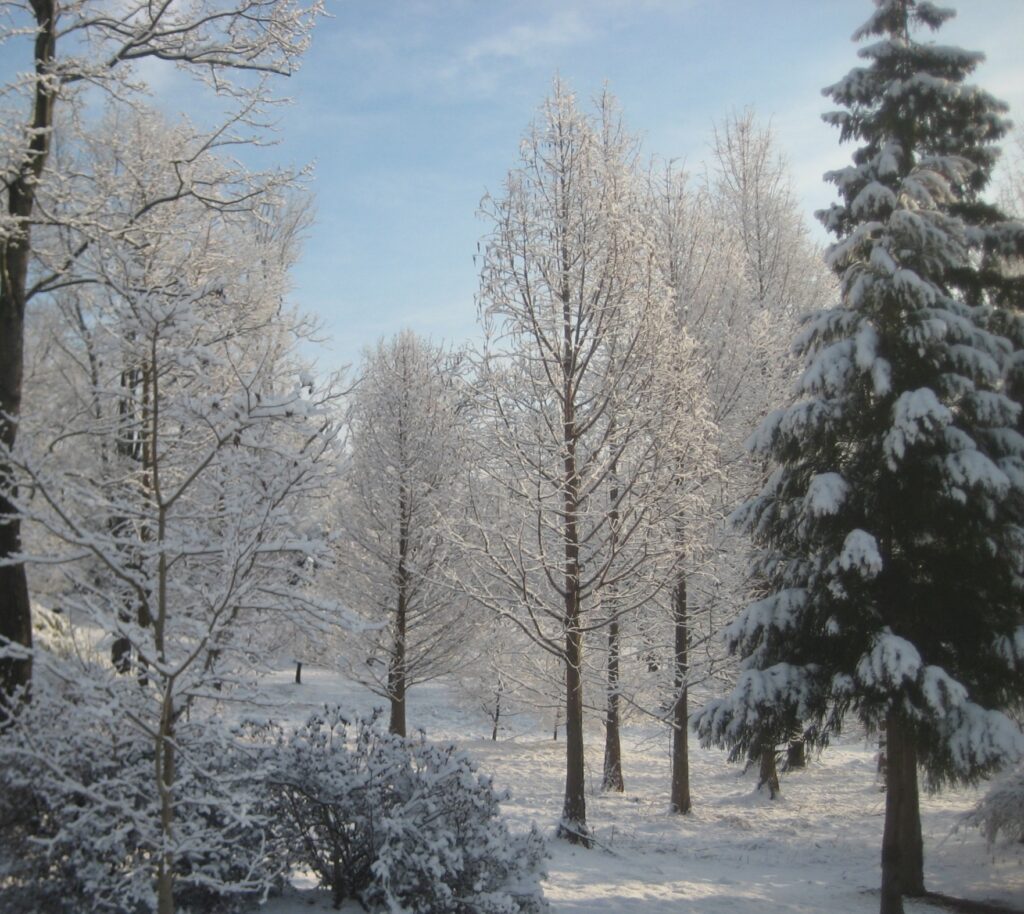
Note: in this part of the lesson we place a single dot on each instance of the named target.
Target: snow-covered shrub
(1000, 814)
(399, 824)
(80, 812)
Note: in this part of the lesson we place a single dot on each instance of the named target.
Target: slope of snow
(815, 849)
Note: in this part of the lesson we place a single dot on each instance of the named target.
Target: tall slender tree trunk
(397, 672)
(130, 446)
(679, 800)
(573, 826)
(165, 774)
(15, 610)
(612, 778)
(882, 764)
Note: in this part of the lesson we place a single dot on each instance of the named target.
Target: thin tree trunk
(298, 672)
(129, 446)
(573, 826)
(558, 718)
(680, 801)
(612, 779)
(497, 712)
(882, 764)
(612, 775)
(396, 673)
(165, 786)
(768, 774)
(15, 609)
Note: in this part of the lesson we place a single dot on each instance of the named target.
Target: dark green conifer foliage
(891, 575)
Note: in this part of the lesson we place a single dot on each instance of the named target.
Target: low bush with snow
(80, 812)
(399, 824)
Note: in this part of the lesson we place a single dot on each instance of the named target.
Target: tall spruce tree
(892, 562)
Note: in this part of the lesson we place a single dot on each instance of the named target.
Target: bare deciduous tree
(172, 507)
(572, 304)
(398, 496)
(78, 47)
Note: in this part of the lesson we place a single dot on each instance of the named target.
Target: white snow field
(815, 849)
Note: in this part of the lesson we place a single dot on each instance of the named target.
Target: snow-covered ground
(816, 849)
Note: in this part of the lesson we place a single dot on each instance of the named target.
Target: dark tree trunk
(396, 691)
(298, 672)
(908, 826)
(554, 731)
(396, 672)
(612, 775)
(882, 765)
(796, 754)
(497, 712)
(121, 655)
(768, 774)
(130, 446)
(573, 826)
(902, 847)
(679, 800)
(15, 610)
(892, 850)
(612, 779)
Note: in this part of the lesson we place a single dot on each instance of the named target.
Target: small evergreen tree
(891, 564)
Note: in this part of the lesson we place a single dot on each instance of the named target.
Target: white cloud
(528, 42)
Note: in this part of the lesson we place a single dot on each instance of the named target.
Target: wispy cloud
(529, 41)
(488, 62)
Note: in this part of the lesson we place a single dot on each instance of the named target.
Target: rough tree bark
(796, 753)
(902, 847)
(497, 709)
(612, 778)
(573, 826)
(680, 801)
(904, 779)
(396, 673)
(768, 773)
(892, 851)
(15, 611)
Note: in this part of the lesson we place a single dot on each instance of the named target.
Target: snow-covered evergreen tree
(891, 525)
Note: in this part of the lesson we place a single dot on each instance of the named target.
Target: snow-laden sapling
(1000, 814)
(399, 824)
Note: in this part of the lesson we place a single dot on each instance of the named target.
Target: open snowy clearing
(814, 850)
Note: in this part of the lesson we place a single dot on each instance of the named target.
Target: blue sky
(412, 109)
